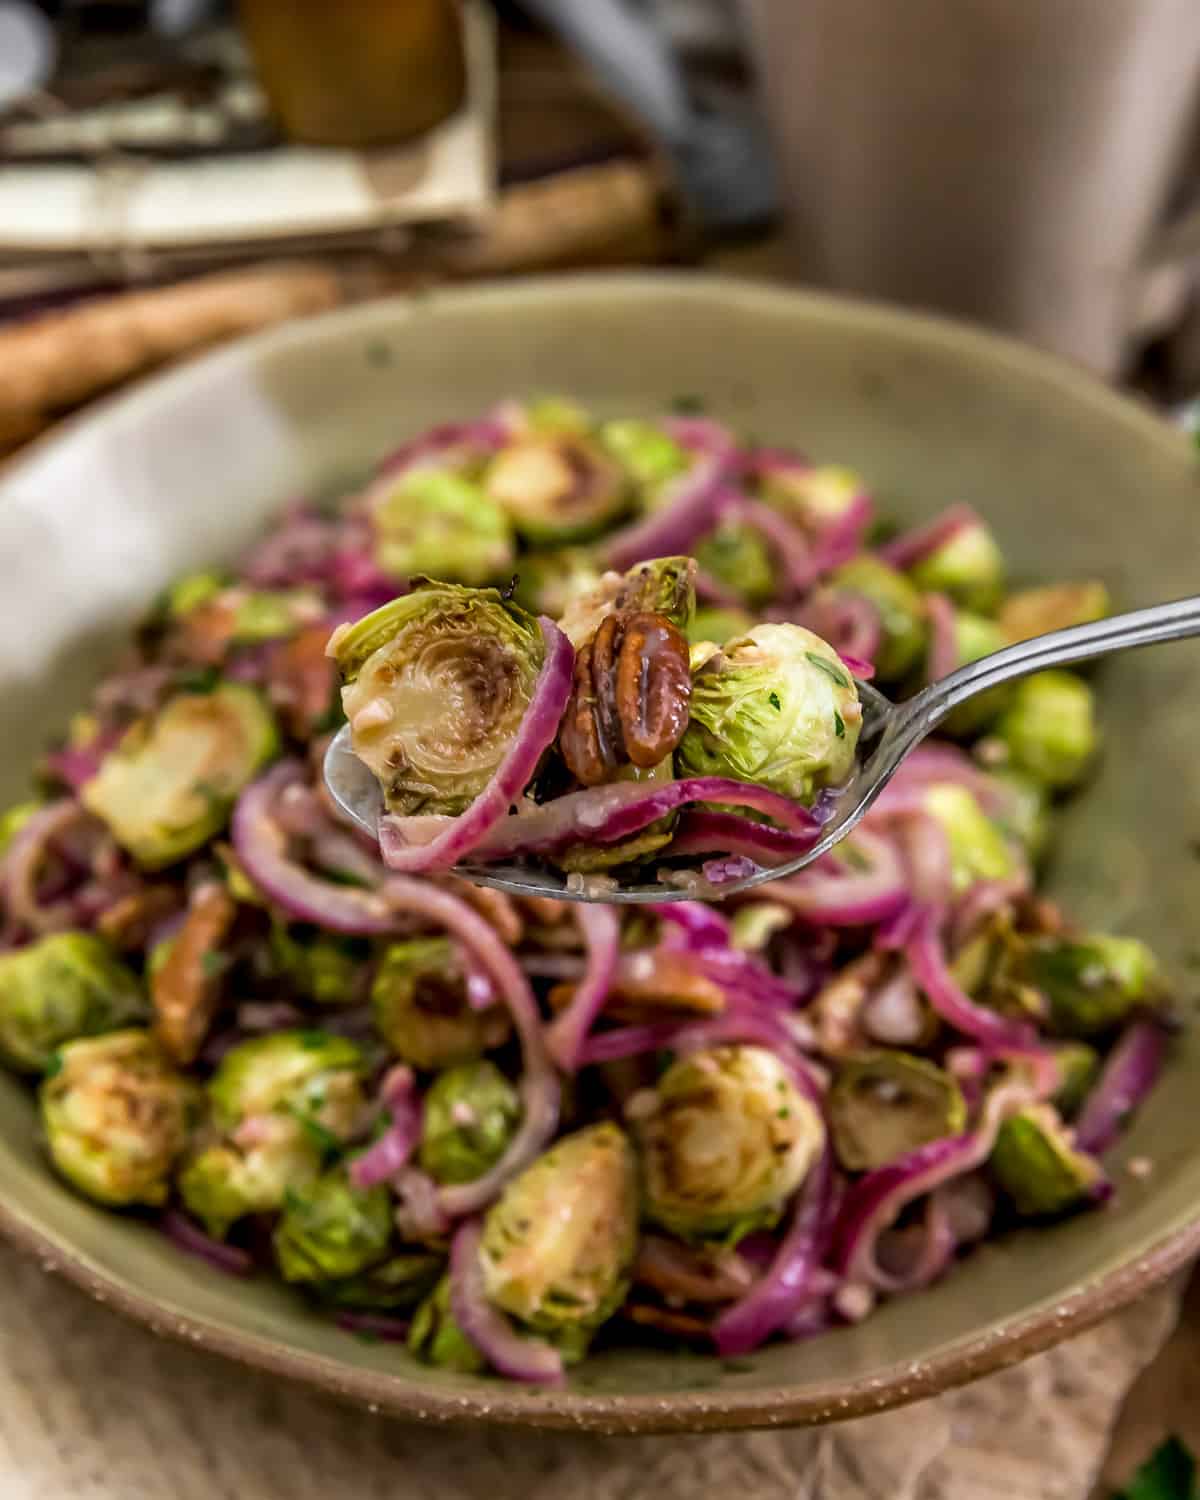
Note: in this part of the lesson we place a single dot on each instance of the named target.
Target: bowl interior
(1076, 482)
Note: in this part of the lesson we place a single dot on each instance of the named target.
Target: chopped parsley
(773, 700)
(839, 725)
(822, 664)
(1168, 1474)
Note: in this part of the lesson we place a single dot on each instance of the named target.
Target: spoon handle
(1140, 627)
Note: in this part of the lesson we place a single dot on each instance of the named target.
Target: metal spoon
(890, 731)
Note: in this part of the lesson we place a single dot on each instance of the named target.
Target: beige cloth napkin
(95, 1408)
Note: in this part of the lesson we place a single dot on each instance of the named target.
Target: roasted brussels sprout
(776, 706)
(1037, 1167)
(813, 496)
(1078, 1067)
(329, 1229)
(646, 452)
(978, 848)
(116, 1117)
(252, 1172)
(471, 1112)
(725, 1139)
(736, 555)
(171, 782)
(400, 1281)
(430, 522)
(1049, 729)
(1056, 606)
(436, 1339)
(312, 1076)
(419, 999)
(548, 582)
(321, 966)
(663, 586)
(13, 820)
(1094, 983)
(437, 683)
(64, 986)
(753, 925)
(558, 1245)
(557, 487)
(718, 625)
(884, 1104)
(968, 566)
(902, 630)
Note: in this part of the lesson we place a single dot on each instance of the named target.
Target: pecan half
(186, 990)
(629, 700)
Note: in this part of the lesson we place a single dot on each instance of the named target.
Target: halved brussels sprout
(400, 1281)
(471, 1113)
(777, 707)
(322, 966)
(978, 848)
(558, 1246)
(437, 683)
(548, 582)
(1078, 1068)
(419, 1000)
(717, 626)
(64, 986)
(1055, 606)
(884, 1104)
(902, 629)
(1036, 1165)
(648, 453)
(171, 782)
(969, 567)
(1049, 728)
(436, 1339)
(736, 555)
(557, 487)
(267, 1157)
(329, 1229)
(431, 522)
(116, 1117)
(312, 1076)
(664, 586)
(814, 496)
(725, 1139)
(1094, 983)
(14, 819)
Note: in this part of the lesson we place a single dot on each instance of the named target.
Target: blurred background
(176, 172)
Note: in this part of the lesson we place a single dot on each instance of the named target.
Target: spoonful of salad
(600, 758)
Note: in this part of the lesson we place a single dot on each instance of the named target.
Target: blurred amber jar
(357, 72)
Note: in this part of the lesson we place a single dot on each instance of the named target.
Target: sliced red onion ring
(189, 1237)
(513, 774)
(696, 925)
(925, 852)
(913, 546)
(927, 960)
(932, 763)
(774, 1297)
(530, 1359)
(628, 1041)
(874, 1201)
(446, 444)
(373, 1325)
(22, 864)
(738, 837)
(690, 509)
(727, 869)
(261, 848)
(713, 591)
(419, 1215)
(850, 623)
(863, 670)
(75, 767)
(390, 1153)
(1130, 1071)
(679, 1272)
(792, 549)
(843, 538)
(943, 637)
(830, 894)
(923, 1256)
(606, 815)
(539, 1087)
(601, 928)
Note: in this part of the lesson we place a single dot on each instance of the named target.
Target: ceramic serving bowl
(1076, 481)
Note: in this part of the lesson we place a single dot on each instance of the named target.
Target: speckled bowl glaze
(1076, 480)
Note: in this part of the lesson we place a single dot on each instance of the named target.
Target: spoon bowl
(890, 731)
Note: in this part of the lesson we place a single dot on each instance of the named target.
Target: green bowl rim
(722, 1408)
